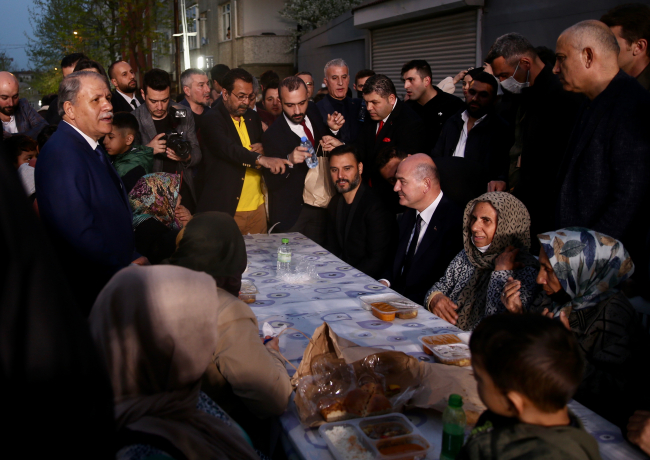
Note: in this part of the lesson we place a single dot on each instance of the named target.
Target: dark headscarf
(53, 385)
(513, 229)
(212, 243)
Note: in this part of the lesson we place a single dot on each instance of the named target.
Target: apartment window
(225, 18)
(192, 25)
(209, 62)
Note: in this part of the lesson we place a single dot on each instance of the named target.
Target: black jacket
(606, 171)
(403, 130)
(367, 241)
(488, 144)
(545, 120)
(349, 108)
(225, 159)
(285, 190)
(120, 104)
(440, 244)
(434, 114)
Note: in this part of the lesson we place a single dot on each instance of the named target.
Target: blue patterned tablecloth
(334, 298)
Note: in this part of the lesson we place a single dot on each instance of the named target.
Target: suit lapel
(407, 223)
(432, 230)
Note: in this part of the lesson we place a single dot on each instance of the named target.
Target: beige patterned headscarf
(155, 327)
(513, 229)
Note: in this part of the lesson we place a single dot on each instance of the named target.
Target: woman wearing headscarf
(158, 215)
(156, 328)
(580, 271)
(496, 238)
(212, 243)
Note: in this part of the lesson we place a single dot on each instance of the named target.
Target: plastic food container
(248, 292)
(386, 437)
(366, 301)
(384, 311)
(455, 354)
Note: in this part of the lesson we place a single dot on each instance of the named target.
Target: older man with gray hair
(430, 232)
(82, 202)
(605, 175)
(336, 101)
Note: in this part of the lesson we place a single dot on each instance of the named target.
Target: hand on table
(506, 260)
(638, 430)
(273, 344)
(511, 295)
(384, 282)
(563, 318)
(444, 308)
(335, 121)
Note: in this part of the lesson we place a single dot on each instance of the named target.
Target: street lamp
(75, 32)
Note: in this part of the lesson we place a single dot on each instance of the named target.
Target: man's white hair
(335, 63)
(71, 85)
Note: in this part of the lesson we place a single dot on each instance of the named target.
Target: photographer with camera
(168, 128)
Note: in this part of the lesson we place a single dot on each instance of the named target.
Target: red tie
(308, 133)
(381, 125)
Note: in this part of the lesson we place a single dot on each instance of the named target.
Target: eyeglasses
(309, 84)
(245, 97)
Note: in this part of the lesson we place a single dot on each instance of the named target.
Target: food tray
(397, 428)
(248, 291)
(366, 300)
(455, 354)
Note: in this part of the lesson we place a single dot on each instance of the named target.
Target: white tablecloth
(333, 298)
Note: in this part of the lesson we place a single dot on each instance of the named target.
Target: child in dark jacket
(527, 368)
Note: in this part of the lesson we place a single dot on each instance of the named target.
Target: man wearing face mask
(543, 124)
(479, 136)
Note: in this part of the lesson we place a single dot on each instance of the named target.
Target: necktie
(100, 153)
(411, 249)
(381, 125)
(134, 104)
(308, 133)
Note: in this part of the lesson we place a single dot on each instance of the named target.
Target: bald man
(605, 174)
(430, 232)
(17, 115)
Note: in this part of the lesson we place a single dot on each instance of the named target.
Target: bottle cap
(455, 400)
(286, 241)
(303, 139)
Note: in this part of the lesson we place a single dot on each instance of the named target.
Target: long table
(333, 298)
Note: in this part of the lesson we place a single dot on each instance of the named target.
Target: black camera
(175, 140)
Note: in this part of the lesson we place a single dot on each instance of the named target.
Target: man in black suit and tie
(299, 118)
(430, 233)
(391, 123)
(360, 229)
(125, 96)
(233, 156)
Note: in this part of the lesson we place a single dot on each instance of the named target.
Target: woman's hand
(638, 430)
(274, 343)
(182, 214)
(461, 75)
(563, 318)
(506, 260)
(444, 308)
(511, 296)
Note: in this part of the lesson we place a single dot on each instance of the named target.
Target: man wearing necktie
(300, 118)
(430, 232)
(125, 96)
(82, 202)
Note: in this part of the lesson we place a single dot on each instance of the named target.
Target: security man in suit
(125, 95)
(82, 201)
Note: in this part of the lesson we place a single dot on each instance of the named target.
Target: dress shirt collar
(391, 111)
(465, 116)
(128, 99)
(92, 142)
(427, 214)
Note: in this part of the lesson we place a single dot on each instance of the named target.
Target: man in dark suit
(299, 119)
(125, 95)
(430, 233)
(390, 123)
(431, 103)
(479, 136)
(82, 202)
(234, 155)
(360, 229)
(216, 74)
(68, 64)
(605, 175)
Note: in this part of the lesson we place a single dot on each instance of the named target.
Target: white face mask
(512, 85)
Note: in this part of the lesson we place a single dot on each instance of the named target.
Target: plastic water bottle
(453, 428)
(311, 161)
(362, 111)
(284, 257)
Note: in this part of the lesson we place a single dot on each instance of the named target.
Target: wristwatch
(257, 162)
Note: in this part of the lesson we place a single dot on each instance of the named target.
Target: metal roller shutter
(447, 43)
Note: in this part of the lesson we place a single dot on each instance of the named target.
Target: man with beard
(195, 86)
(479, 136)
(82, 202)
(300, 119)
(17, 115)
(125, 96)
(360, 229)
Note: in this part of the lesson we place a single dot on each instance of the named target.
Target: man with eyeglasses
(234, 156)
(308, 78)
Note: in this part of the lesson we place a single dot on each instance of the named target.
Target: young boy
(130, 160)
(527, 368)
(22, 149)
